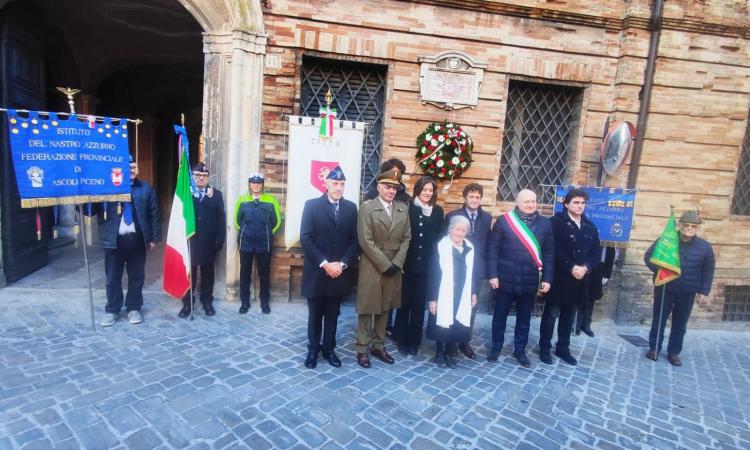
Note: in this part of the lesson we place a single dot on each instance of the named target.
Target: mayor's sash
(527, 238)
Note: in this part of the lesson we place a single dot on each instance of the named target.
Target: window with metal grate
(358, 94)
(736, 304)
(741, 198)
(540, 124)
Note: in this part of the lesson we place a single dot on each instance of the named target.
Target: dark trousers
(129, 255)
(263, 259)
(679, 306)
(524, 307)
(206, 285)
(564, 314)
(410, 317)
(322, 314)
(584, 314)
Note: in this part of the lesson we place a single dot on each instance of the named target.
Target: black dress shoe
(184, 312)
(588, 331)
(522, 359)
(449, 361)
(493, 355)
(578, 332)
(210, 311)
(332, 358)
(413, 350)
(566, 356)
(545, 356)
(244, 308)
(265, 309)
(312, 360)
(467, 351)
(440, 360)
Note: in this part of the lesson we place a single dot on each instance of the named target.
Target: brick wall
(698, 112)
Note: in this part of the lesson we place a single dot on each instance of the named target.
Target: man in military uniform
(383, 232)
(127, 230)
(328, 234)
(676, 298)
(210, 233)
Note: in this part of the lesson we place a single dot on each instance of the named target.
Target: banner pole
(88, 272)
(658, 327)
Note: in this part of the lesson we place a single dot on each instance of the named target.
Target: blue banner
(610, 209)
(65, 160)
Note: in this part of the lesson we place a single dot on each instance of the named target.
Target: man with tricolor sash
(683, 266)
(520, 266)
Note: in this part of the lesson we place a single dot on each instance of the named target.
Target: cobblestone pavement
(236, 381)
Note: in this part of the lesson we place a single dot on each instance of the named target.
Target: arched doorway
(152, 59)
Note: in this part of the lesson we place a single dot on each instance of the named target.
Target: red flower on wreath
(444, 150)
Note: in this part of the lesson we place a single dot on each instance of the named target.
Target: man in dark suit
(577, 254)
(480, 223)
(210, 233)
(328, 234)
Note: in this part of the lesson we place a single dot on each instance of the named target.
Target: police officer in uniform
(210, 233)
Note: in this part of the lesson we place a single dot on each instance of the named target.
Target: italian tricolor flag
(327, 115)
(181, 228)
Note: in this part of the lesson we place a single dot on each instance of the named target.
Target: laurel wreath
(444, 150)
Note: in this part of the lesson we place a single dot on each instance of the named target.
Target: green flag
(666, 254)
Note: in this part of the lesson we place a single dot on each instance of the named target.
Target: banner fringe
(72, 200)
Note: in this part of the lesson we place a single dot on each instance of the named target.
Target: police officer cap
(690, 217)
(200, 168)
(390, 176)
(256, 177)
(336, 174)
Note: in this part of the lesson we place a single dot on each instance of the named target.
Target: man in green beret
(676, 298)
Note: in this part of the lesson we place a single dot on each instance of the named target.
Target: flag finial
(329, 97)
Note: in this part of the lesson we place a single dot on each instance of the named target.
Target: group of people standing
(411, 257)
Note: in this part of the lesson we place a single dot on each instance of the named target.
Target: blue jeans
(524, 306)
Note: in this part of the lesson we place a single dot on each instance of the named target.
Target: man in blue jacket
(328, 234)
(127, 230)
(694, 283)
(520, 266)
(577, 254)
(480, 222)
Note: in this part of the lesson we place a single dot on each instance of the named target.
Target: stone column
(232, 111)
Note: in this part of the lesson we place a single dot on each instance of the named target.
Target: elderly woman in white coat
(452, 291)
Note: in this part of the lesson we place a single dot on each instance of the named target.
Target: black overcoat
(425, 234)
(573, 247)
(210, 227)
(325, 239)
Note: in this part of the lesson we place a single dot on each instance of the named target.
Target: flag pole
(69, 93)
(190, 258)
(661, 307)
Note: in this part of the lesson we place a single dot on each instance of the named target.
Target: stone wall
(698, 111)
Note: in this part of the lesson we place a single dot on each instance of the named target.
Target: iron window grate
(358, 95)
(539, 125)
(736, 304)
(741, 198)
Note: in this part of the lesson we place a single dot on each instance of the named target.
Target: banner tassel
(55, 212)
(38, 226)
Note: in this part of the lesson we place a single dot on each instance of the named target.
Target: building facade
(552, 74)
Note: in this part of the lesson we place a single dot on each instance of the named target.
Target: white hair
(456, 220)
